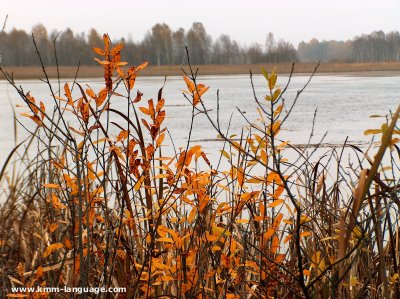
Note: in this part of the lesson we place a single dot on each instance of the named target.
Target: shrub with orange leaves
(104, 209)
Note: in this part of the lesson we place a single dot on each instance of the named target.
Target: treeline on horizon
(164, 46)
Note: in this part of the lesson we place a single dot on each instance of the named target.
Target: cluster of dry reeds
(94, 208)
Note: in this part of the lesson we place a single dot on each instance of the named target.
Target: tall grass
(94, 208)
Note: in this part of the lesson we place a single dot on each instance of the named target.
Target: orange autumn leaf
(51, 186)
(39, 272)
(196, 91)
(90, 93)
(269, 233)
(160, 104)
(98, 51)
(32, 103)
(160, 140)
(189, 84)
(275, 244)
(68, 95)
(117, 49)
(277, 221)
(240, 176)
(122, 135)
(225, 261)
(102, 62)
(144, 110)
(165, 239)
(51, 248)
(159, 118)
(275, 203)
(142, 66)
(35, 118)
(42, 110)
(53, 227)
(305, 234)
(101, 97)
(138, 97)
(67, 243)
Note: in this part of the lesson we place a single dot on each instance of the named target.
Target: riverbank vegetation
(100, 203)
(345, 69)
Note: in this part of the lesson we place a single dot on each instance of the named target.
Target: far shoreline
(379, 69)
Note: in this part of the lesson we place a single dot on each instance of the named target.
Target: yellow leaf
(215, 248)
(353, 281)
(304, 219)
(306, 272)
(372, 131)
(272, 81)
(38, 236)
(394, 277)
(288, 221)
(225, 154)
(138, 184)
(264, 72)
(278, 110)
(276, 94)
(217, 231)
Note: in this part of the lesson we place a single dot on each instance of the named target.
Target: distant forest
(163, 46)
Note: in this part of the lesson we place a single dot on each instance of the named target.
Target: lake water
(343, 103)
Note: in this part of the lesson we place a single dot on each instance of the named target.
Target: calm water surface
(343, 106)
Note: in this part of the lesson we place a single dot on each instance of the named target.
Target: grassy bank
(357, 69)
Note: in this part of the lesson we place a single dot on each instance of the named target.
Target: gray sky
(246, 21)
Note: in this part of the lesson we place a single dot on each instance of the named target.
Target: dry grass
(359, 69)
(92, 208)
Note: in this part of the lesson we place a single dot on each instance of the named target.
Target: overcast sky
(246, 21)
